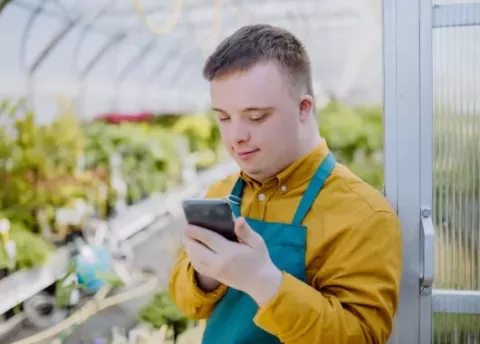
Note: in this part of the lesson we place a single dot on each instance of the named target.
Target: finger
(209, 238)
(246, 234)
(186, 239)
(198, 249)
(200, 256)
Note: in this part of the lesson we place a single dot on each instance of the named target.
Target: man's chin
(252, 171)
(250, 166)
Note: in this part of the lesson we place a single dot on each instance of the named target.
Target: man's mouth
(246, 154)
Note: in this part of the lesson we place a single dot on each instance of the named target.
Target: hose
(92, 307)
(41, 312)
(159, 29)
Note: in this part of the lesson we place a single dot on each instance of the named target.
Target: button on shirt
(353, 258)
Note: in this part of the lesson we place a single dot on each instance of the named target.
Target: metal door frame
(408, 124)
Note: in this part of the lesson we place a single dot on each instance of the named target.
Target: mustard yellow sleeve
(355, 293)
(187, 295)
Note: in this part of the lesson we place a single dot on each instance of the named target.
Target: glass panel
(457, 174)
(456, 328)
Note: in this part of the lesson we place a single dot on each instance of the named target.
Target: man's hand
(245, 266)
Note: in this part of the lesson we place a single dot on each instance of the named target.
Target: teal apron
(232, 320)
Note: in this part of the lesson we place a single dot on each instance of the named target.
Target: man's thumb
(244, 233)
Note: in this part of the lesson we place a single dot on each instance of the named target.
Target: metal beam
(157, 70)
(456, 15)
(160, 66)
(182, 62)
(31, 7)
(26, 34)
(86, 29)
(406, 97)
(109, 44)
(135, 61)
(456, 301)
(425, 129)
(51, 46)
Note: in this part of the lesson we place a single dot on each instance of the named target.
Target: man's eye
(223, 119)
(258, 118)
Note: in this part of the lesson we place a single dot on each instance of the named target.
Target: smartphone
(213, 214)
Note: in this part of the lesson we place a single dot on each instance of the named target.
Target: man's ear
(306, 107)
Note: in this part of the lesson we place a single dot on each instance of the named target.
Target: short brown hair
(252, 44)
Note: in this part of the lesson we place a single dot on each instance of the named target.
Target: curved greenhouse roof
(146, 56)
(139, 55)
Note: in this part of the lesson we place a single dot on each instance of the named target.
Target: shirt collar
(296, 174)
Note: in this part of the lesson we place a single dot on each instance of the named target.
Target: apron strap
(314, 187)
(235, 197)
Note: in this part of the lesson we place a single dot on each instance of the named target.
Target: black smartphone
(213, 214)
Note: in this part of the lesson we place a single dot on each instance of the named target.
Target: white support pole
(408, 155)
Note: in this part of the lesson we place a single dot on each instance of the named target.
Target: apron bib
(232, 320)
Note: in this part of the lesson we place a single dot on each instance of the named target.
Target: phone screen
(213, 214)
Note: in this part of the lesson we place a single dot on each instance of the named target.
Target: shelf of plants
(58, 175)
(126, 173)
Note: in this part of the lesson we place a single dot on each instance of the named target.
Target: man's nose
(240, 133)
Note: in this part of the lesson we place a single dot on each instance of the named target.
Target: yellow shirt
(353, 259)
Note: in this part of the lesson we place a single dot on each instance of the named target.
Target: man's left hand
(245, 266)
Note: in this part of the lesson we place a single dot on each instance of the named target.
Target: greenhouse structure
(105, 127)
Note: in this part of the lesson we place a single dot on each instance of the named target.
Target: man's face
(259, 118)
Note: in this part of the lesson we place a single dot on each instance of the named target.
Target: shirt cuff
(275, 316)
(211, 296)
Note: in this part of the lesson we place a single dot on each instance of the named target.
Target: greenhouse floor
(155, 251)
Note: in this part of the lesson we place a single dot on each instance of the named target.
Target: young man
(319, 258)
